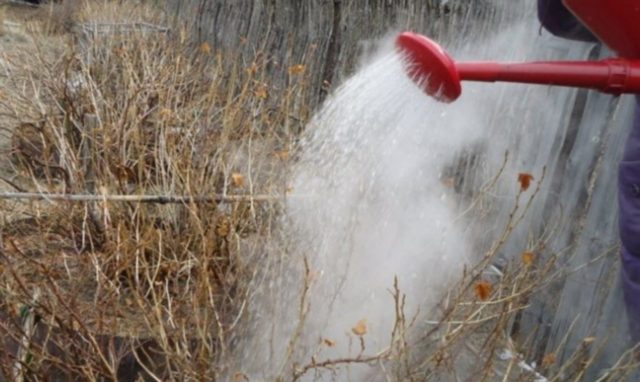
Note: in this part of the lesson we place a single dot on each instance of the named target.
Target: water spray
(615, 24)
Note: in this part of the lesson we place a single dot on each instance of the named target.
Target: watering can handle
(612, 75)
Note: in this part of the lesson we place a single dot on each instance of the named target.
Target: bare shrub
(107, 290)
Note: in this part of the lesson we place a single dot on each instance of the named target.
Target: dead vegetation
(134, 112)
(95, 289)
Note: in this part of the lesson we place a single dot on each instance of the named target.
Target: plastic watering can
(615, 22)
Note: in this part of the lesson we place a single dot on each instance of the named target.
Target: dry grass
(113, 290)
(136, 111)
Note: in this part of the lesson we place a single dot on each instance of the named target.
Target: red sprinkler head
(430, 66)
(439, 76)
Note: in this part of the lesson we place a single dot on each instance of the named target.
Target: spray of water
(378, 209)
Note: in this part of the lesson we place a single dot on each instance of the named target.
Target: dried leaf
(240, 377)
(243, 40)
(549, 359)
(328, 342)
(237, 180)
(165, 113)
(223, 226)
(15, 309)
(483, 290)
(282, 155)
(361, 328)
(261, 92)
(528, 257)
(589, 340)
(125, 173)
(252, 69)
(205, 48)
(525, 180)
(119, 52)
(296, 69)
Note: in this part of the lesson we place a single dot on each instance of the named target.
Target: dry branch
(159, 199)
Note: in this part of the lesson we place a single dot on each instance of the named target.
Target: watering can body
(614, 22)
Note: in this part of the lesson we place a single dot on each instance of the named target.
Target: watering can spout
(440, 76)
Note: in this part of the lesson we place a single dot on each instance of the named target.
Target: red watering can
(615, 22)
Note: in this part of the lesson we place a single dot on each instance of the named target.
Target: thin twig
(160, 199)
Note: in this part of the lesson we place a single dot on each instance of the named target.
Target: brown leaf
(528, 257)
(589, 340)
(223, 226)
(261, 92)
(252, 69)
(165, 113)
(483, 289)
(125, 173)
(328, 342)
(237, 180)
(361, 328)
(296, 69)
(525, 180)
(205, 48)
(549, 360)
(282, 155)
(240, 377)
(119, 52)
